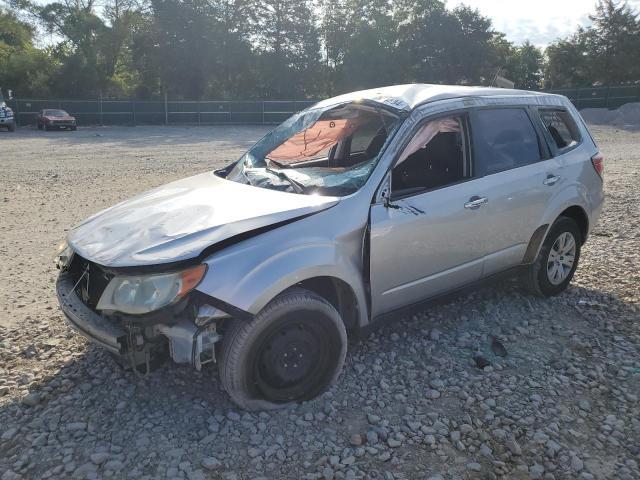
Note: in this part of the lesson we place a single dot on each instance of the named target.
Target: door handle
(476, 202)
(551, 180)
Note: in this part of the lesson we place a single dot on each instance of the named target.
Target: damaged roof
(407, 97)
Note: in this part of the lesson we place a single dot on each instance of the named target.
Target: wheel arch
(575, 212)
(327, 269)
(579, 215)
(339, 294)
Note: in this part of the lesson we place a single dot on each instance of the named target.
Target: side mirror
(384, 192)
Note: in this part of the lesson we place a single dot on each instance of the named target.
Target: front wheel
(12, 127)
(557, 261)
(293, 350)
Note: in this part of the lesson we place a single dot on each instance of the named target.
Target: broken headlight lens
(63, 256)
(146, 293)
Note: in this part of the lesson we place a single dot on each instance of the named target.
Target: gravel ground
(562, 404)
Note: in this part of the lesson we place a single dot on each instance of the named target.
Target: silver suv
(352, 210)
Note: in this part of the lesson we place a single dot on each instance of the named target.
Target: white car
(350, 211)
(7, 119)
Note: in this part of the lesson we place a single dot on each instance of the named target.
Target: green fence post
(166, 109)
(101, 116)
(17, 113)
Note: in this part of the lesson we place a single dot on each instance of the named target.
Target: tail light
(598, 163)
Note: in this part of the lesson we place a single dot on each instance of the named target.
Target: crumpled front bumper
(88, 323)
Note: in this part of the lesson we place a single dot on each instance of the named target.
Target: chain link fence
(600, 97)
(170, 112)
(139, 112)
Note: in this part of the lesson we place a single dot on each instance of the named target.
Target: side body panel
(519, 202)
(581, 175)
(518, 199)
(328, 244)
(580, 185)
(426, 244)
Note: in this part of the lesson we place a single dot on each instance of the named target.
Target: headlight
(63, 256)
(144, 294)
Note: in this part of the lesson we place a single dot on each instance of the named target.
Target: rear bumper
(87, 322)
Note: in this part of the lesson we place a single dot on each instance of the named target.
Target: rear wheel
(557, 261)
(292, 351)
(12, 127)
(47, 128)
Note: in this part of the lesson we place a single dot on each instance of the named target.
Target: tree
(182, 47)
(23, 68)
(568, 64)
(524, 65)
(336, 27)
(613, 43)
(288, 47)
(422, 42)
(93, 45)
(369, 59)
(605, 52)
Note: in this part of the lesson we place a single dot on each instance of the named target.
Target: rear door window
(561, 127)
(503, 138)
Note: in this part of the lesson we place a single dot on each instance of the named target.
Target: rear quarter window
(503, 139)
(562, 128)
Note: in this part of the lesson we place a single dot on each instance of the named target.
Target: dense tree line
(227, 49)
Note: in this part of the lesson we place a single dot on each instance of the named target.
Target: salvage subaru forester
(353, 209)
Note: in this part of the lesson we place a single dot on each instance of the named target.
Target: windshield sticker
(394, 102)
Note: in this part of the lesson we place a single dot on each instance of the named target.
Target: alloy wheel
(561, 258)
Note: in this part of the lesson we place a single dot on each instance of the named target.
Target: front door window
(433, 158)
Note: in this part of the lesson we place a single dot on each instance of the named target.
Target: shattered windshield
(325, 151)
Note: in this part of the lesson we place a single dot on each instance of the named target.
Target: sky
(539, 21)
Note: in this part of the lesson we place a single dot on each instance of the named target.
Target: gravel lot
(563, 403)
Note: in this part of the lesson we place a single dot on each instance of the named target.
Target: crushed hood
(179, 220)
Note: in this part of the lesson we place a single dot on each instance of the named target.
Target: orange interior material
(319, 137)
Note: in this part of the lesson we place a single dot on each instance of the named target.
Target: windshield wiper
(297, 186)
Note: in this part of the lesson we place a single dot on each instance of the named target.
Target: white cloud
(540, 21)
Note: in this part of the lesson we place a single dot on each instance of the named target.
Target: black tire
(40, 126)
(538, 279)
(47, 128)
(298, 325)
(74, 128)
(12, 127)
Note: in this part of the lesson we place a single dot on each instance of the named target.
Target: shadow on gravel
(94, 407)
